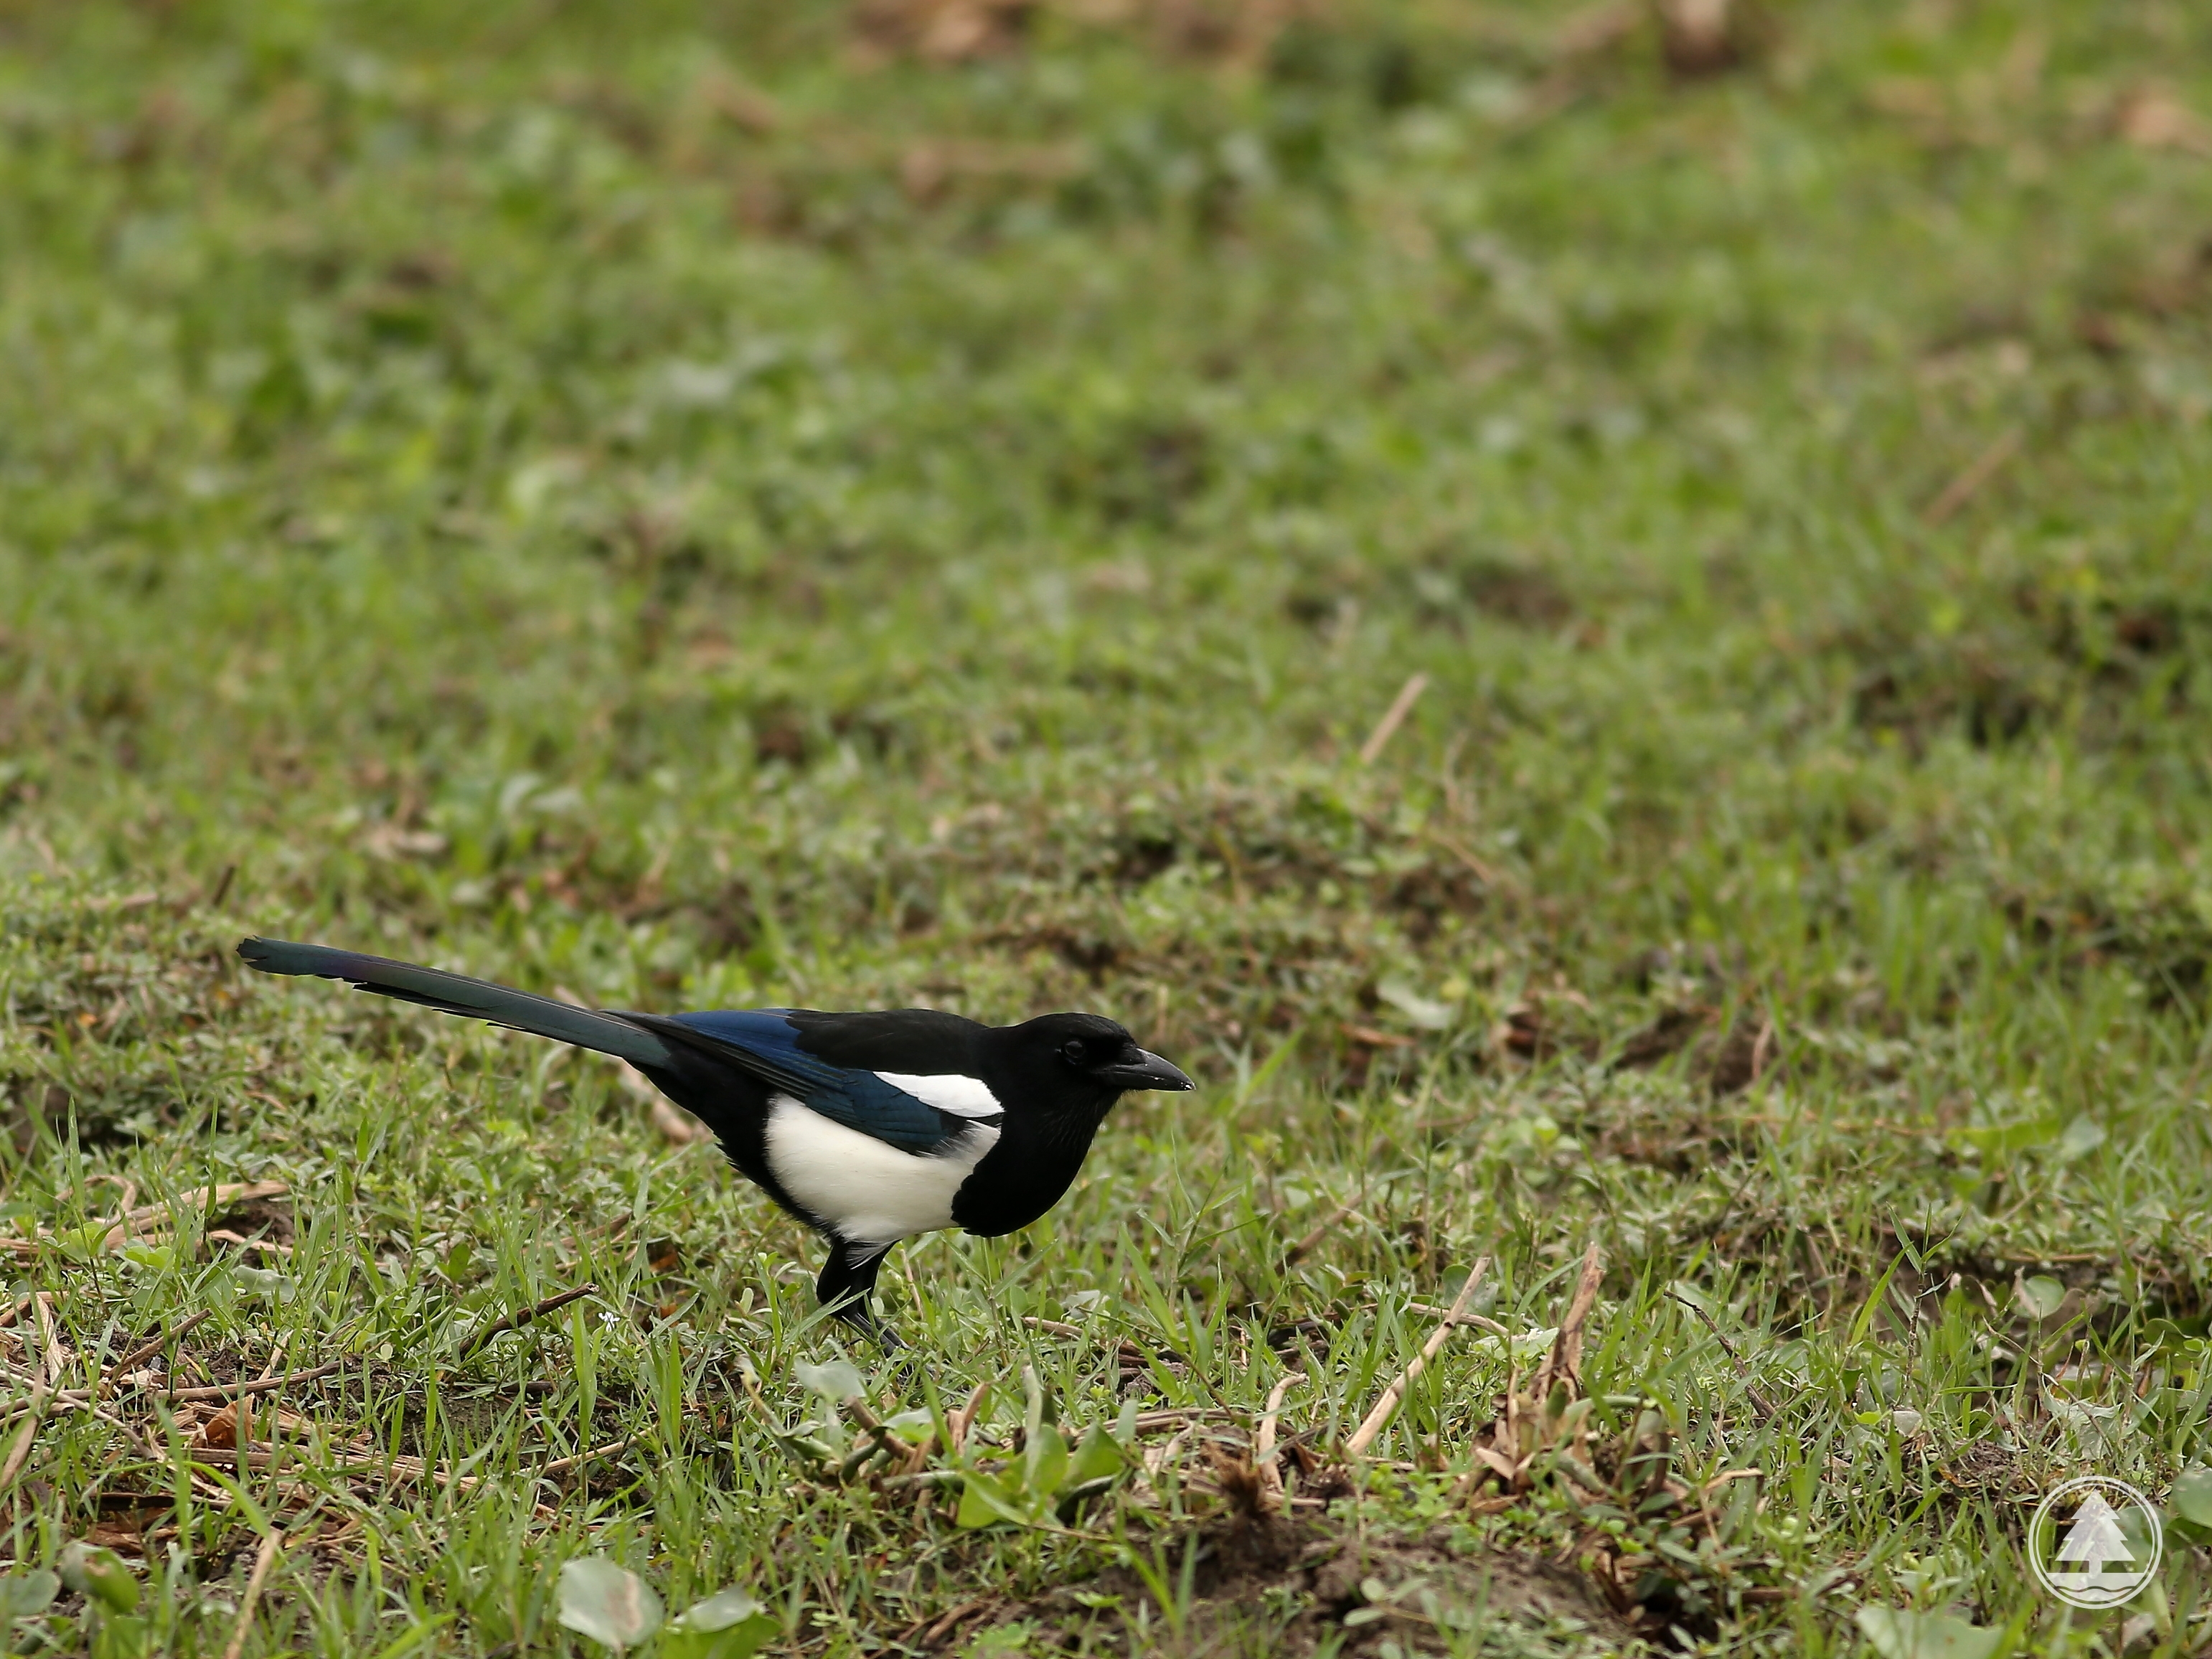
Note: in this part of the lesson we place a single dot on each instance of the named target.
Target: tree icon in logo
(2104, 1552)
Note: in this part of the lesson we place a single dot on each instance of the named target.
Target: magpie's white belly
(871, 1193)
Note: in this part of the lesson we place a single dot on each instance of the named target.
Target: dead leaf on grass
(2153, 117)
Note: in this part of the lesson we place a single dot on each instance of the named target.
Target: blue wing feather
(767, 1044)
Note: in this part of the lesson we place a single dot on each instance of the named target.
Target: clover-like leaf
(2041, 1295)
(101, 1575)
(1896, 1633)
(83, 1242)
(1425, 1013)
(27, 1595)
(263, 1281)
(731, 1624)
(2083, 1136)
(837, 1381)
(610, 1604)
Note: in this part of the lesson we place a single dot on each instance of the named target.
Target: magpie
(869, 1128)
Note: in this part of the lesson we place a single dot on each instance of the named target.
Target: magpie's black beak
(1143, 1070)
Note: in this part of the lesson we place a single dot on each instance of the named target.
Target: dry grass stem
(1564, 1362)
(1972, 476)
(272, 1543)
(505, 1322)
(1385, 1408)
(1263, 1443)
(1393, 718)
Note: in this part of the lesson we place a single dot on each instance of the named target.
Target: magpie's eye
(1073, 1051)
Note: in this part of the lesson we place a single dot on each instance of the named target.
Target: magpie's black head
(1080, 1062)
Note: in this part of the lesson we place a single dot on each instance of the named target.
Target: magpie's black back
(869, 1126)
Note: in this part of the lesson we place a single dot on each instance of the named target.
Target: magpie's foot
(856, 1314)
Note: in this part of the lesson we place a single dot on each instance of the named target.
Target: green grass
(702, 506)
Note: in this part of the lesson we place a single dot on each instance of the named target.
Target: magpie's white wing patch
(867, 1191)
(962, 1097)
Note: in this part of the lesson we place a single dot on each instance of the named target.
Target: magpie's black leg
(848, 1283)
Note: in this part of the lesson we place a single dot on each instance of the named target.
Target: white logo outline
(2089, 1540)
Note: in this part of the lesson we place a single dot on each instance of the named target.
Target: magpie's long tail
(610, 1034)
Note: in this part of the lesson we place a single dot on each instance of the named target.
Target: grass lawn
(1617, 658)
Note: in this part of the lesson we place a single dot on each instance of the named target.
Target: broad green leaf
(1038, 1411)
(2192, 1496)
(607, 1603)
(1096, 1458)
(987, 1502)
(1044, 1462)
(1125, 1423)
(1895, 1633)
(729, 1624)
(27, 1595)
(101, 1574)
(1425, 1013)
(718, 1611)
(2083, 1136)
(261, 1281)
(837, 1381)
(2041, 1295)
(85, 1242)
(158, 1257)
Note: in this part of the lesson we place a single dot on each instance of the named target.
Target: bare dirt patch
(1290, 1587)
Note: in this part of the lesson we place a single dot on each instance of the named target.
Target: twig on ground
(22, 1449)
(1327, 1225)
(934, 1631)
(272, 1542)
(1263, 1443)
(1484, 871)
(1393, 718)
(857, 1409)
(145, 1447)
(956, 1426)
(1162, 1419)
(146, 1349)
(260, 1385)
(201, 1199)
(1758, 1400)
(563, 1465)
(55, 1355)
(1475, 1319)
(275, 1357)
(389, 1468)
(1975, 473)
(1387, 1408)
(476, 1339)
(1565, 1359)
